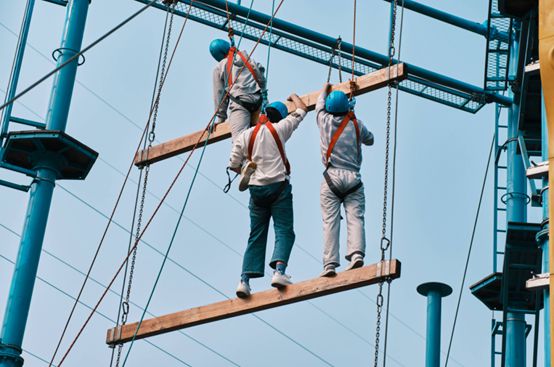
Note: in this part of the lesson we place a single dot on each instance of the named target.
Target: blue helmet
(337, 102)
(219, 49)
(276, 111)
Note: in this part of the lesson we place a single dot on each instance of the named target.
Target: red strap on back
(279, 146)
(229, 66)
(264, 121)
(349, 117)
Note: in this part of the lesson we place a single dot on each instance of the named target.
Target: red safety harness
(349, 117)
(261, 122)
(341, 194)
(229, 67)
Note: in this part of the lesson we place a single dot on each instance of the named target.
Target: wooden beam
(171, 148)
(302, 291)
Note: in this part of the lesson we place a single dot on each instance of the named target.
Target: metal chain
(385, 242)
(151, 138)
(334, 53)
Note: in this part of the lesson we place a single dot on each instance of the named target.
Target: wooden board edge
(394, 270)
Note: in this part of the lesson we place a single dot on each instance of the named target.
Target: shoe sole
(242, 294)
(329, 273)
(356, 264)
(279, 285)
(245, 179)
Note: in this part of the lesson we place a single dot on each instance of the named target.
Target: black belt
(338, 193)
(249, 106)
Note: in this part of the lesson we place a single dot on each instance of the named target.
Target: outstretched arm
(320, 105)
(298, 102)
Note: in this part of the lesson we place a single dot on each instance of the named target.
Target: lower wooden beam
(298, 292)
(364, 84)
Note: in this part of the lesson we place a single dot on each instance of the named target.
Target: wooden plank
(302, 291)
(171, 148)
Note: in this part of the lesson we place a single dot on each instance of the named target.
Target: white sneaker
(247, 171)
(243, 290)
(280, 280)
(329, 271)
(357, 261)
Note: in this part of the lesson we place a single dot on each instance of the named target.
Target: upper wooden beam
(302, 291)
(171, 148)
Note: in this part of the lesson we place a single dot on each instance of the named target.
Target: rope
(385, 242)
(394, 152)
(161, 70)
(334, 52)
(166, 255)
(77, 55)
(353, 77)
(469, 251)
(172, 184)
(143, 136)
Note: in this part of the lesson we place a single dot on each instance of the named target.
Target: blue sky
(441, 161)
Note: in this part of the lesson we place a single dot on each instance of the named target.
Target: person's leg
(254, 256)
(283, 222)
(354, 205)
(330, 212)
(239, 119)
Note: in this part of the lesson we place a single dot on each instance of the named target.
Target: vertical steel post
(516, 211)
(19, 299)
(434, 293)
(16, 66)
(542, 237)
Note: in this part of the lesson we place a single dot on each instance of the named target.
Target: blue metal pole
(349, 48)
(19, 299)
(16, 66)
(543, 240)
(454, 20)
(516, 211)
(434, 293)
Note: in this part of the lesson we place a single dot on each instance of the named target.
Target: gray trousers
(240, 118)
(354, 207)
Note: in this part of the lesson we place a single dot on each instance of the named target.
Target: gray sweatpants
(354, 206)
(240, 118)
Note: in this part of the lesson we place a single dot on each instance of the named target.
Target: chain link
(151, 137)
(385, 242)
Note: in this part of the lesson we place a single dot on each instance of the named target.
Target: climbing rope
(353, 85)
(158, 206)
(151, 138)
(395, 145)
(385, 243)
(338, 46)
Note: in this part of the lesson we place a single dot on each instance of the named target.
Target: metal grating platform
(498, 49)
(303, 47)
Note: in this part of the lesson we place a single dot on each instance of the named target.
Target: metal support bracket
(538, 282)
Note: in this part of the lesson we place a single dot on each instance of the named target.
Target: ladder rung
(501, 209)
(501, 187)
(503, 126)
(500, 252)
(501, 167)
(501, 230)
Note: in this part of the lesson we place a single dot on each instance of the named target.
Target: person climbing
(266, 173)
(246, 94)
(341, 136)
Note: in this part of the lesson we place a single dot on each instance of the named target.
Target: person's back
(341, 137)
(266, 175)
(239, 86)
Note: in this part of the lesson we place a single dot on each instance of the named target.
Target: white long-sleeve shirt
(244, 83)
(265, 153)
(346, 154)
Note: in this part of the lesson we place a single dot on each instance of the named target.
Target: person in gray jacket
(263, 146)
(247, 84)
(341, 137)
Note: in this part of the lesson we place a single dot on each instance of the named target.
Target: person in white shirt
(266, 173)
(246, 79)
(341, 138)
